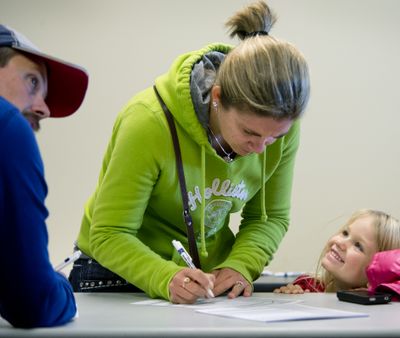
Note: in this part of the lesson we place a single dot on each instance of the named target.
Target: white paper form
(219, 303)
(259, 309)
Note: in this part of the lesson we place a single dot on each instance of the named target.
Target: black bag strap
(178, 158)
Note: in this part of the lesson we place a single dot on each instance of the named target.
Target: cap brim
(67, 84)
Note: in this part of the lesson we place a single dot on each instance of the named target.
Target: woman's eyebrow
(252, 132)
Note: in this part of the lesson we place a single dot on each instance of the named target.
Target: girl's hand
(188, 285)
(230, 279)
(290, 289)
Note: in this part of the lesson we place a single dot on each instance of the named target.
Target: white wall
(349, 156)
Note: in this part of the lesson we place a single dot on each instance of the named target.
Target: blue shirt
(32, 294)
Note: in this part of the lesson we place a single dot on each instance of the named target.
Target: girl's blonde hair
(262, 75)
(387, 229)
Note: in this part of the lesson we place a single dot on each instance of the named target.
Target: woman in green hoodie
(236, 112)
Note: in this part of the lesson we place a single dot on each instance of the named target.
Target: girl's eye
(345, 233)
(359, 246)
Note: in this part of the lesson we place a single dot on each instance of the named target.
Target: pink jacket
(384, 273)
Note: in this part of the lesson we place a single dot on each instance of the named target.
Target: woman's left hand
(226, 279)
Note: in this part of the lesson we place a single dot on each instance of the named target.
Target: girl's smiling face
(349, 252)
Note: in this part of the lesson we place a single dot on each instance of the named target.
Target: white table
(112, 315)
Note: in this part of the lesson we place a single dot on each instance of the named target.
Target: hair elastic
(257, 33)
(246, 35)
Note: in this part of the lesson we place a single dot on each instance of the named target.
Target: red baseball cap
(67, 83)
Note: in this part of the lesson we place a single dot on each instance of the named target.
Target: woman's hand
(290, 288)
(190, 284)
(230, 279)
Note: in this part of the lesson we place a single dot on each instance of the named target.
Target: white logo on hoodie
(218, 188)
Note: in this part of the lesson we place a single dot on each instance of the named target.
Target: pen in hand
(188, 260)
(68, 260)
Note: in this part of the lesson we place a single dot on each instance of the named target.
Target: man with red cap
(33, 86)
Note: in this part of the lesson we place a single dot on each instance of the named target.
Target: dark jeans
(89, 276)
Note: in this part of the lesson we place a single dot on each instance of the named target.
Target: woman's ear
(216, 93)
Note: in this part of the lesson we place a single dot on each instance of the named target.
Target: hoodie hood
(175, 88)
(202, 80)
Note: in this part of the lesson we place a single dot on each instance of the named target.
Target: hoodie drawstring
(203, 249)
(264, 165)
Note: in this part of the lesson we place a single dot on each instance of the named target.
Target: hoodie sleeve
(258, 238)
(134, 162)
(32, 294)
(384, 272)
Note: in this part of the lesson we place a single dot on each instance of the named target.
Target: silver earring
(215, 105)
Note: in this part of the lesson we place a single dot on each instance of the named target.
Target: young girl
(347, 255)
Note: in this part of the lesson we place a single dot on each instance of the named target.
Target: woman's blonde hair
(262, 75)
(387, 230)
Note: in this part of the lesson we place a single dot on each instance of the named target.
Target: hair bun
(254, 20)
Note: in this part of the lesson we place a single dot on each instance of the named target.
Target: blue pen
(188, 260)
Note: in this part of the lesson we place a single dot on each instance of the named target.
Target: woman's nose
(259, 147)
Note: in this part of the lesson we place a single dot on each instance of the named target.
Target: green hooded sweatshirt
(136, 210)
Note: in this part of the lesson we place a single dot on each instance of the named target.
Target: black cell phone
(364, 297)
